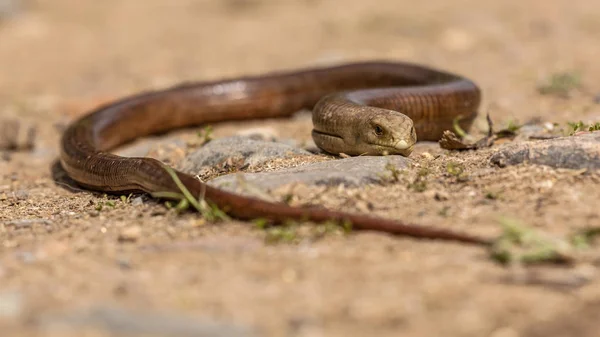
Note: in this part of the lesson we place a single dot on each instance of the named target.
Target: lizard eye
(378, 130)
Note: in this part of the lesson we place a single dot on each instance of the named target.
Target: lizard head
(387, 132)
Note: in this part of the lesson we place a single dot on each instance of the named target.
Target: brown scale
(433, 99)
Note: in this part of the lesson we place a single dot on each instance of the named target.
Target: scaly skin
(358, 115)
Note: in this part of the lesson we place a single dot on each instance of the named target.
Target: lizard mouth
(392, 150)
(402, 145)
(404, 151)
(326, 134)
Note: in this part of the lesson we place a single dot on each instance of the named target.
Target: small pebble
(26, 257)
(137, 201)
(427, 156)
(21, 195)
(441, 196)
(549, 126)
(437, 195)
(130, 234)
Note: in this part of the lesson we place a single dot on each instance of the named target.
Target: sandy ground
(60, 253)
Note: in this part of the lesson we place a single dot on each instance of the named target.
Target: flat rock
(351, 172)
(248, 151)
(575, 152)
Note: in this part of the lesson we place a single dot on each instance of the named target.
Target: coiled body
(353, 102)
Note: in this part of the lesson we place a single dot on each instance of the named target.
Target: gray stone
(268, 134)
(536, 131)
(248, 151)
(259, 133)
(122, 322)
(351, 172)
(9, 8)
(137, 201)
(576, 152)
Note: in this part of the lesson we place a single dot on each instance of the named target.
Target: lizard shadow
(62, 180)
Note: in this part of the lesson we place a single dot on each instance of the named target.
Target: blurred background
(60, 58)
(63, 50)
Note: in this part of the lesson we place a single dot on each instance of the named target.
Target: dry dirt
(60, 253)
